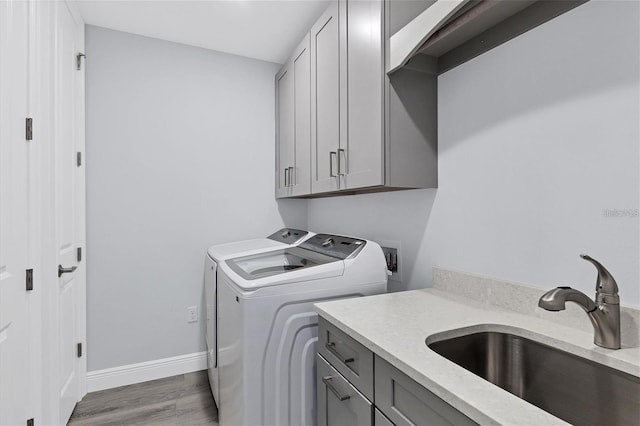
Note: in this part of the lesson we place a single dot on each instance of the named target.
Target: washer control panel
(288, 235)
(333, 245)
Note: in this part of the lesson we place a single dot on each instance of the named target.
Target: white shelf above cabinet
(407, 41)
(451, 32)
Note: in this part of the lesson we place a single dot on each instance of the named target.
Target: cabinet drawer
(405, 402)
(350, 358)
(339, 403)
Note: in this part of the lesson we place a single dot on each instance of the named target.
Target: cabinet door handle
(286, 176)
(341, 151)
(331, 347)
(327, 381)
(291, 179)
(331, 154)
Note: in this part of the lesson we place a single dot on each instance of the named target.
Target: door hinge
(79, 57)
(28, 129)
(29, 279)
(79, 350)
(30, 422)
(79, 254)
(79, 159)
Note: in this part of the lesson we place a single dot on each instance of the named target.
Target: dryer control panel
(333, 245)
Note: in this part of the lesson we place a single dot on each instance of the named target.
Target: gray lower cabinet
(339, 402)
(380, 419)
(357, 387)
(350, 358)
(405, 402)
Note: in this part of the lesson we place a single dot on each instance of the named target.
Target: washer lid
(277, 262)
(239, 248)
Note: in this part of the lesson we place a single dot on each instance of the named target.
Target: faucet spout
(554, 300)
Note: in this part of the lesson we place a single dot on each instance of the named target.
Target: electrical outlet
(192, 314)
(392, 254)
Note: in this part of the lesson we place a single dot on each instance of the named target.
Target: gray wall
(536, 139)
(180, 151)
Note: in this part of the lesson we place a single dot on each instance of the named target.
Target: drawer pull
(331, 347)
(327, 381)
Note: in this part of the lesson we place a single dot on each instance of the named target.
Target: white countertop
(395, 327)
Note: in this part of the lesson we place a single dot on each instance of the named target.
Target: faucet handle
(605, 284)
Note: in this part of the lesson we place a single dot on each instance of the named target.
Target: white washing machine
(268, 329)
(215, 254)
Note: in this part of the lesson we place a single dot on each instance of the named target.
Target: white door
(14, 317)
(69, 201)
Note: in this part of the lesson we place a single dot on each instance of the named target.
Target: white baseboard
(142, 372)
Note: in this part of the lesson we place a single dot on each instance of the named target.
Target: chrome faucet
(604, 313)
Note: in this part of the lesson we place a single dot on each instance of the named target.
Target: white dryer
(215, 254)
(268, 329)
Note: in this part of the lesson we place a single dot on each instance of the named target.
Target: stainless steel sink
(575, 389)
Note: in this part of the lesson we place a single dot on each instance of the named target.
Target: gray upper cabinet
(348, 65)
(284, 129)
(326, 110)
(392, 120)
(363, 156)
(293, 124)
(369, 131)
(372, 131)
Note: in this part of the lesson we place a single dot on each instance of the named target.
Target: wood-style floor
(179, 400)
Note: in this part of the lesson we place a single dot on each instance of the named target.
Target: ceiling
(262, 29)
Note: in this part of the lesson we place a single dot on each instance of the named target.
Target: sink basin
(572, 388)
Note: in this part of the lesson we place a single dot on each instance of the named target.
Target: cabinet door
(339, 403)
(380, 419)
(285, 152)
(406, 402)
(362, 152)
(301, 172)
(325, 101)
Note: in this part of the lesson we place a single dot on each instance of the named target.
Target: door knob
(63, 270)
